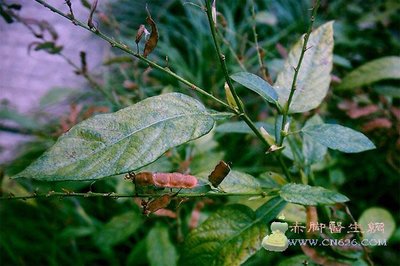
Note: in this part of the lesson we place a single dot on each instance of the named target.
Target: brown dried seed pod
(153, 39)
(221, 170)
(139, 34)
(158, 203)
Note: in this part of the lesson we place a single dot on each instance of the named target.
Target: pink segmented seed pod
(174, 180)
(169, 180)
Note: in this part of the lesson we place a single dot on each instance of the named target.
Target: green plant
(137, 136)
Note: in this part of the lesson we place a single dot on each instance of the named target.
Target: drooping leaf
(26, 122)
(49, 47)
(314, 75)
(377, 224)
(256, 84)
(118, 229)
(242, 128)
(313, 151)
(139, 33)
(57, 95)
(230, 235)
(378, 69)
(131, 138)
(338, 137)
(308, 195)
(151, 43)
(160, 250)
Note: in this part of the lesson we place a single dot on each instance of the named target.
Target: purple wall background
(24, 78)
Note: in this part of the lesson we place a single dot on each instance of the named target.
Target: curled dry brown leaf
(151, 43)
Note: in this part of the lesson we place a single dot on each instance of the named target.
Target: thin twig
(263, 68)
(94, 84)
(297, 69)
(113, 195)
(359, 236)
(69, 4)
(126, 49)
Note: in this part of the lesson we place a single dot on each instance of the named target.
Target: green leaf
(378, 69)
(230, 235)
(57, 95)
(314, 75)
(368, 222)
(49, 47)
(308, 195)
(256, 84)
(118, 229)
(238, 182)
(25, 121)
(160, 250)
(338, 137)
(242, 128)
(131, 138)
(388, 90)
(313, 151)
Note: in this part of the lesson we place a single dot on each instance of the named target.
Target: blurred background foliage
(84, 231)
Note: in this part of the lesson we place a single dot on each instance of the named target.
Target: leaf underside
(314, 75)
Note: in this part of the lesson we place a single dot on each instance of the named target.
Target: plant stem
(116, 195)
(126, 49)
(297, 69)
(241, 112)
(264, 70)
(91, 81)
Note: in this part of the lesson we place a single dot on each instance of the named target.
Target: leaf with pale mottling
(314, 75)
(238, 182)
(119, 142)
(230, 235)
(338, 137)
(256, 84)
(308, 195)
(313, 151)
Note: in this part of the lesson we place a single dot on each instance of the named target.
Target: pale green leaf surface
(230, 235)
(338, 137)
(308, 195)
(160, 250)
(238, 182)
(131, 138)
(376, 70)
(256, 84)
(118, 229)
(314, 75)
(242, 128)
(313, 151)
